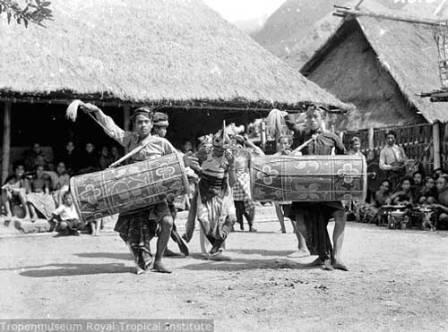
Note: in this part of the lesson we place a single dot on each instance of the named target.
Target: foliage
(29, 11)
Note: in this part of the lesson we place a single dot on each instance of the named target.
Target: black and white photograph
(223, 165)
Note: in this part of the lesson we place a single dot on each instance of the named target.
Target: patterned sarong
(44, 203)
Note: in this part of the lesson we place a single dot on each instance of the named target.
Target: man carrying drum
(137, 228)
(312, 218)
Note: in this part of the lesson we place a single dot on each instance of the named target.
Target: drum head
(374, 176)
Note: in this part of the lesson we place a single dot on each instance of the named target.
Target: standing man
(137, 228)
(160, 129)
(312, 217)
(393, 159)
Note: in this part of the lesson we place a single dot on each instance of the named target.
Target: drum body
(309, 178)
(128, 188)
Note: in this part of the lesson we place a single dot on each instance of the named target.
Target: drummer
(312, 218)
(136, 228)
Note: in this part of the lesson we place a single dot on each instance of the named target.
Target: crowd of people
(39, 185)
(407, 197)
(401, 201)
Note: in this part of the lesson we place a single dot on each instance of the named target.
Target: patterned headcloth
(146, 111)
(160, 119)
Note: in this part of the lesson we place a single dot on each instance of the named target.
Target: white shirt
(66, 212)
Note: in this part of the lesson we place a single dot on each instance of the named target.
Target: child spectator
(39, 198)
(282, 209)
(14, 191)
(65, 219)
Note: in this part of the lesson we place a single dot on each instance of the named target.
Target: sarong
(241, 191)
(316, 217)
(216, 215)
(44, 203)
(139, 227)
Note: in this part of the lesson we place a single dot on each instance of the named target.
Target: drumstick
(302, 146)
(128, 155)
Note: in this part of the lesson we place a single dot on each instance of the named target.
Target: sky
(244, 10)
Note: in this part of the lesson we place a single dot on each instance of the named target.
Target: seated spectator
(438, 172)
(88, 160)
(404, 194)
(428, 193)
(355, 146)
(65, 219)
(187, 147)
(14, 192)
(417, 186)
(403, 197)
(105, 158)
(115, 153)
(373, 212)
(35, 157)
(441, 207)
(63, 179)
(70, 156)
(39, 199)
(60, 182)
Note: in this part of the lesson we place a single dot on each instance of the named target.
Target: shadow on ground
(281, 253)
(109, 255)
(241, 264)
(61, 270)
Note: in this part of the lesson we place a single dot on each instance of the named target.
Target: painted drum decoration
(128, 188)
(309, 178)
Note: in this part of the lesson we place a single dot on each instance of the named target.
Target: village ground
(398, 281)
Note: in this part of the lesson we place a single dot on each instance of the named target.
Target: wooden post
(126, 117)
(6, 146)
(371, 139)
(436, 142)
(263, 135)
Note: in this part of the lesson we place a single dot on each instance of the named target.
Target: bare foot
(169, 253)
(139, 270)
(159, 267)
(299, 253)
(339, 265)
(326, 265)
(316, 262)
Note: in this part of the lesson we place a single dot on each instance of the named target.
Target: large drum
(309, 178)
(128, 188)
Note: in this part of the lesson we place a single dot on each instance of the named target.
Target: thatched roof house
(380, 64)
(169, 52)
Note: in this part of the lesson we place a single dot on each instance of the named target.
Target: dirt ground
(398, 282)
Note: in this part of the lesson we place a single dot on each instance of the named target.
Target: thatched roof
(407, 51)
(139, 51)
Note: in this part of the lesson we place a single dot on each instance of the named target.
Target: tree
(28, 11)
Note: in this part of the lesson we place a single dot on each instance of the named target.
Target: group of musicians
(213, 200)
